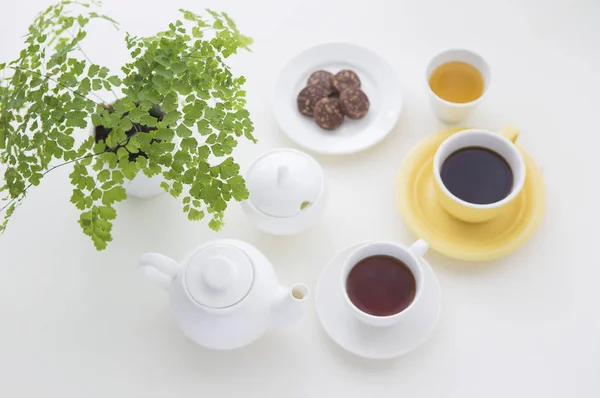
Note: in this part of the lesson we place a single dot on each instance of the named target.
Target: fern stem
(90, 155)
(60, 84)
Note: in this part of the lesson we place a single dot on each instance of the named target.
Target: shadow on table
(345, 358)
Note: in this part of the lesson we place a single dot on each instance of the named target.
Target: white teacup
(454, 112)
(408, 255)
(504, 145)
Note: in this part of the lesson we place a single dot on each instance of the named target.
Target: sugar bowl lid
(284, 182)
(219, 276)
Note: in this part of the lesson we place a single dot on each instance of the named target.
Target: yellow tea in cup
(457, 82)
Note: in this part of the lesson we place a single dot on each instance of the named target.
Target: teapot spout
(289, 305)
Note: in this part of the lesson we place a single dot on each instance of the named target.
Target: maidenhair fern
(178, 112)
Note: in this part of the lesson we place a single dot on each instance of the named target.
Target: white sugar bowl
(287, 192)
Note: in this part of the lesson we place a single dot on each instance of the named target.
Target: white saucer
(379, 82)
(368, 341)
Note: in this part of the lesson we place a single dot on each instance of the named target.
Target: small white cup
(408, 255)
(503, 144)
(452, 112)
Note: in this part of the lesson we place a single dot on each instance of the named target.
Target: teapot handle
(160, 269)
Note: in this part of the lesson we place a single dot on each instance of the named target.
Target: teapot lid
(284, 182)
(219, 276)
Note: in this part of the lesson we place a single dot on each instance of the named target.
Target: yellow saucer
(425, 217)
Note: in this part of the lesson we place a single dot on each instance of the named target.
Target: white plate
(368, 341)
(379, 82)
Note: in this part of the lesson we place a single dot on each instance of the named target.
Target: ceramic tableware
(379, 340)
(453, 112)
(225, 294)
(502, 144)
(409, 256)
(422, 212)
(379, 82)
(287, 192)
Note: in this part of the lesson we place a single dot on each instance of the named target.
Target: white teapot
(225, 294)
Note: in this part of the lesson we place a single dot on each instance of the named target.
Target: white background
(77, 323)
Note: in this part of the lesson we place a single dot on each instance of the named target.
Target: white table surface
(78, 323)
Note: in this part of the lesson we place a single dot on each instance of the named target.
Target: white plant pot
(144, 187)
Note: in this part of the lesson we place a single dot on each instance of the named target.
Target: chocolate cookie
(328, 113)
(345, 79)
(308, 98)
(323, 79)
(355, 103)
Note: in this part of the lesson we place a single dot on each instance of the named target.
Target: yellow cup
(503, 144)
